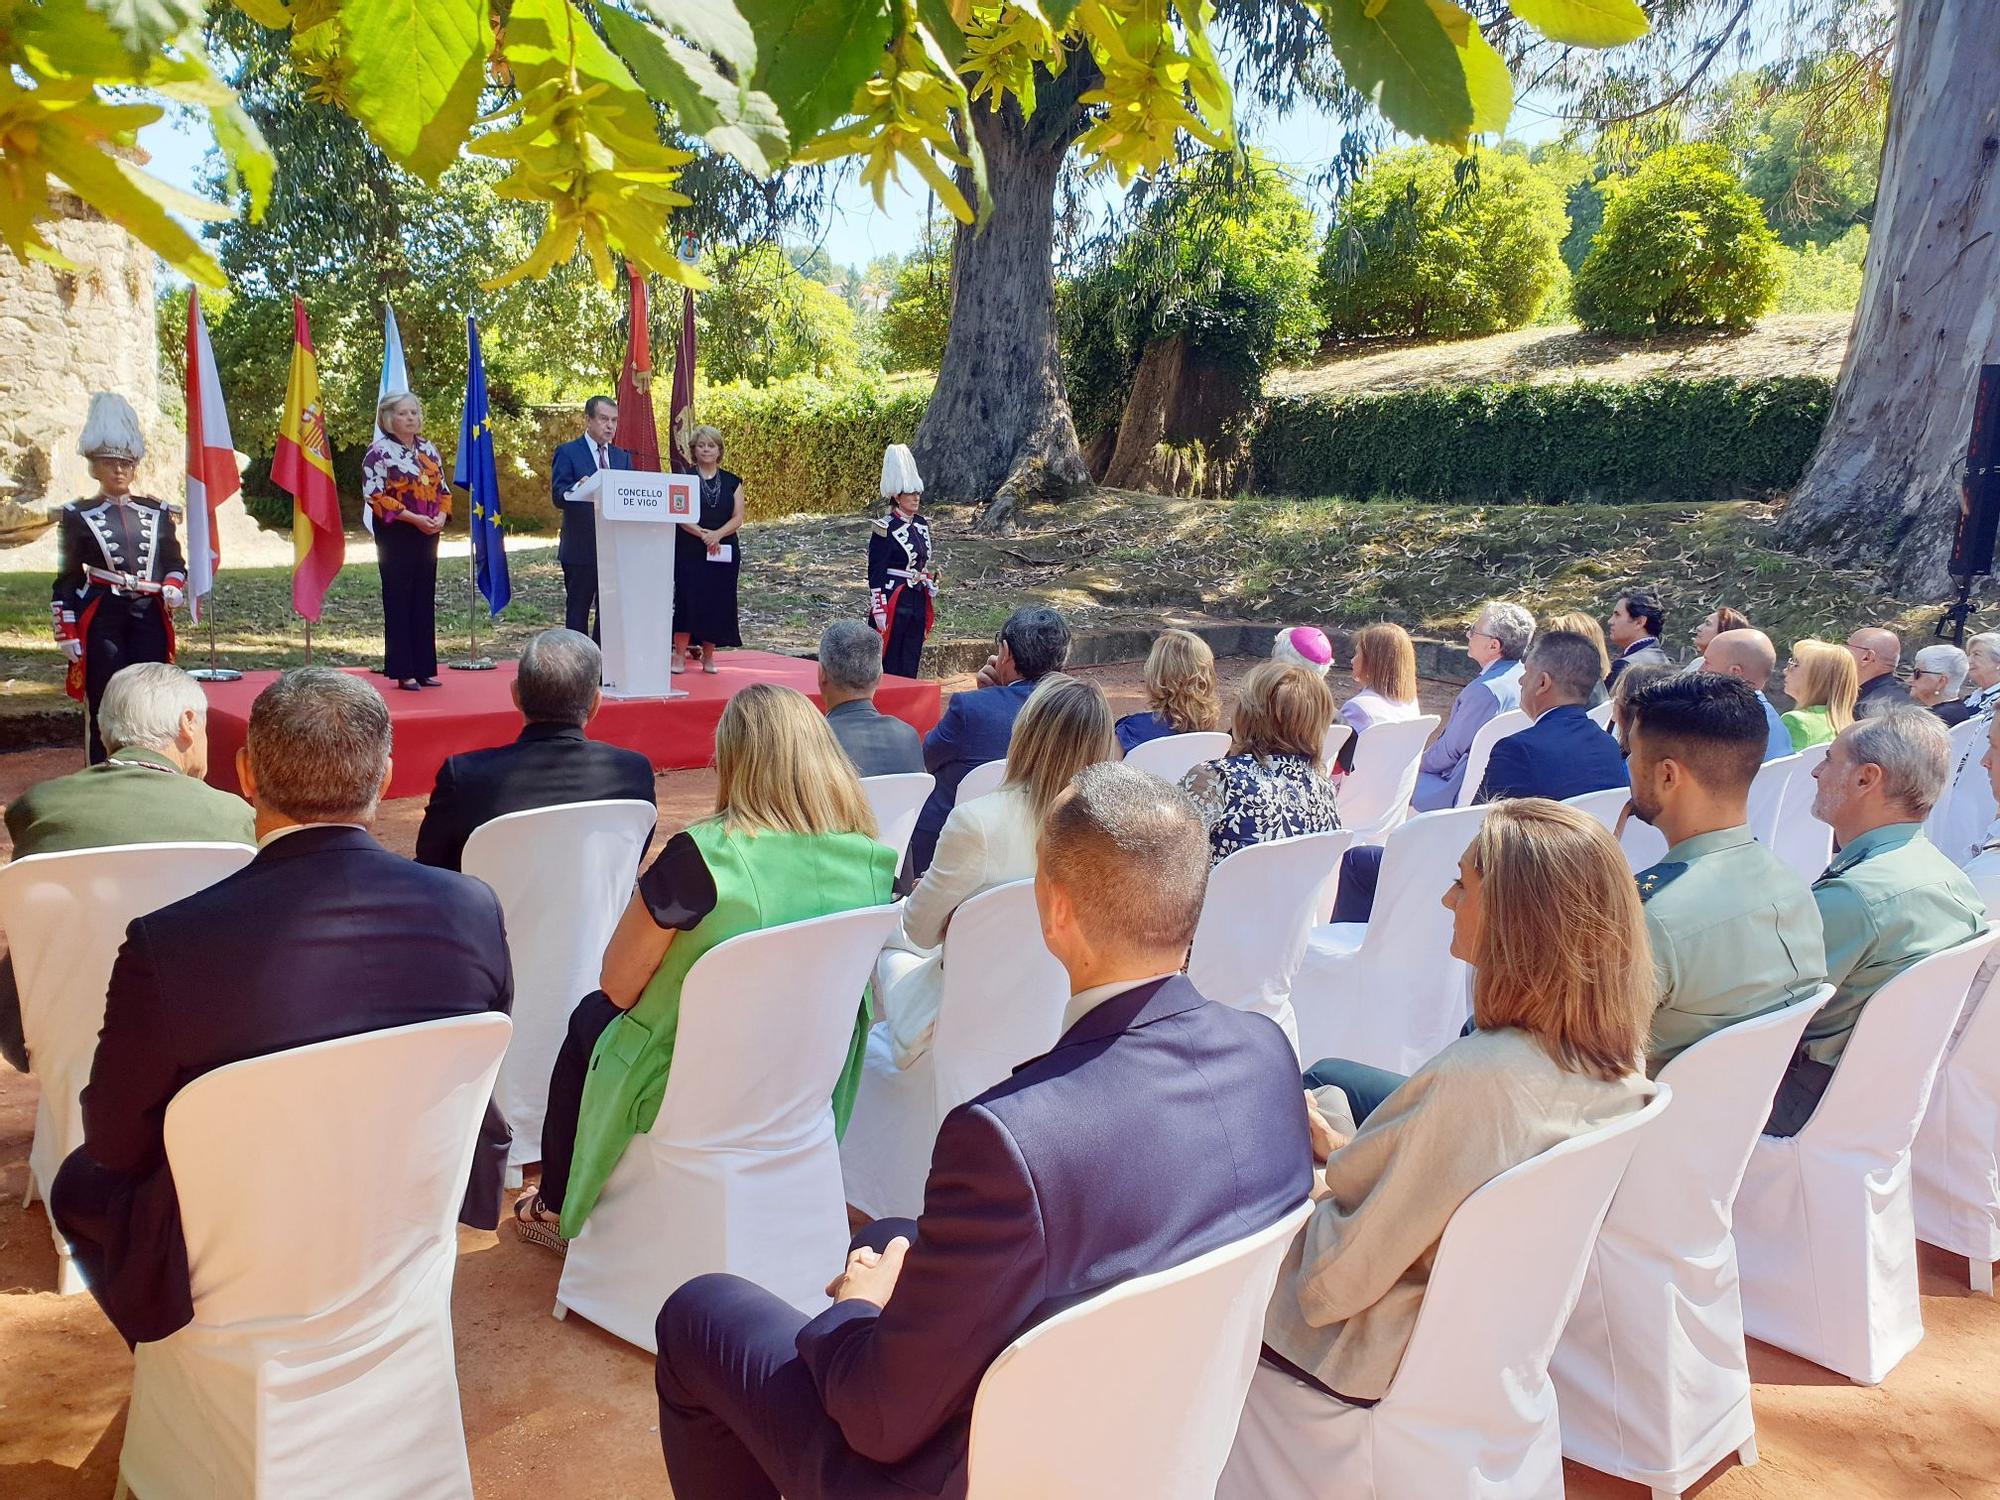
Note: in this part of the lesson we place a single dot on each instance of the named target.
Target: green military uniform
(136, 797)
(1735, 934)
(1887, 900)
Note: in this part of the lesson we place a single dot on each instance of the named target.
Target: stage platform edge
(475, 709)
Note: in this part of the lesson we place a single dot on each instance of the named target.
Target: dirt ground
(565, 1410)
(1797, 344)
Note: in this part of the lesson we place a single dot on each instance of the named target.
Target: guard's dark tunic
(901, 591)
(115, 557)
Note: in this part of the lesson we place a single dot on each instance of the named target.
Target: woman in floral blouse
(1269, 785)
(404, 483)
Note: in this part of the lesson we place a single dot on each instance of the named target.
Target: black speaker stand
(1951, 624)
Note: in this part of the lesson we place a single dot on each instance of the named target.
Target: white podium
(638, 515)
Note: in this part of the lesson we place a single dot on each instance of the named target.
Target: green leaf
(1486, 76)
(943, 27)
(1584, 23)
(549, 39)
(813, 54)
(729, 116)
(415, 71)
(715, 26)
(251, 164)
(143, 205)
(271, 13)
(1401, 58)
(148, 24)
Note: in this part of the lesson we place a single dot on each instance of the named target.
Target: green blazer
(1808, 726)
(761, 880)
(136, 797)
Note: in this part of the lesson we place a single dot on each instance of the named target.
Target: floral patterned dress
(397, 478)
(1250, 799)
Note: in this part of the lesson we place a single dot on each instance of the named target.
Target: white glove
(73, 650)
(879, 619)
(173, 596)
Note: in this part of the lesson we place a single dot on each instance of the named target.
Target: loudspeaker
(1979, 505)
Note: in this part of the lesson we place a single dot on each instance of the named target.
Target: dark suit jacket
(975, 729)
(546, 765)
(1158, 1128)
(1879, 694)
(879, 744)
(1955, 711)
(324, 934)
(572, 462)
(1562, 754)
(1644, 652)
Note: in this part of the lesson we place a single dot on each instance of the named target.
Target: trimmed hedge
(1583, 440)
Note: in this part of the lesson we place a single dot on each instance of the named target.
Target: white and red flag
(211, 460)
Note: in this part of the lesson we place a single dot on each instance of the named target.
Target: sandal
(534, 1223)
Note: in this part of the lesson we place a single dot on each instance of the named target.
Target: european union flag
(474, 473)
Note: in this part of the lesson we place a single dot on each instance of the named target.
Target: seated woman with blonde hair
(1180, 691)
(1385, 665)
(1823, 684)
(1270, 785)
(1064, 726)
(1545, 911)
(792, 837)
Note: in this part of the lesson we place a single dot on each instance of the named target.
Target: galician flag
(211, 460)
(303, 468)
(474, 473)
(395, 380)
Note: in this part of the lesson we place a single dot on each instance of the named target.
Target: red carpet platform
(476, 709)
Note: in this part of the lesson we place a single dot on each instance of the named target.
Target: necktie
(600, 456)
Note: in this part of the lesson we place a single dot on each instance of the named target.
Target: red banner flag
(636, 433)
(303, 468)
(680, 411)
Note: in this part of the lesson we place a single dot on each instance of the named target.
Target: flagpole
(473, 662)
(212, 672)
(309, 641)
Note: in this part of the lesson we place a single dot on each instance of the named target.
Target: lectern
(637, 517)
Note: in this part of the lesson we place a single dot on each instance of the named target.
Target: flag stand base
(216, 674)
(479, 664)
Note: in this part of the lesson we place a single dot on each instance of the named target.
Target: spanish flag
(303, 468)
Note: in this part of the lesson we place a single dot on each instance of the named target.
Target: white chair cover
(65, 917)
(1337, 736)
(318, 1191)
(563, 875)
(1375, 795)
(1959, 820)
(1767, 797)
(1601, 715)
(1172, 756)
(981, 779)
(1471, 1412)
(1388, 992)
(897, 800)
(1801, 840)
(1643, 844)
(1003, 1002)
(740, 1171)
(1825, 1236)
(1651, 1372)
(1494, 730)
(1133, 1392)
(1261, 903)
(1956, 1160)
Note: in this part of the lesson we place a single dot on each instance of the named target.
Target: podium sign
(637, 516)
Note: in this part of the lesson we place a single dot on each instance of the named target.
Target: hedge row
(1584, 440)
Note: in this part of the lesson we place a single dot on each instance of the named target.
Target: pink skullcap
(1303, 646)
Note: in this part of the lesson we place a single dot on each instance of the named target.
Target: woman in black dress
(706, 559)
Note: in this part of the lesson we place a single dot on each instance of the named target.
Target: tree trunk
(1883, 487)
(1180, 432)
(998, 427)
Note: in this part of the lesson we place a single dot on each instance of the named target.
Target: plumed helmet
(1303, 646)
(112, 429)
(899, 472)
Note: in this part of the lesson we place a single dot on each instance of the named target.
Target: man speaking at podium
(574, 462)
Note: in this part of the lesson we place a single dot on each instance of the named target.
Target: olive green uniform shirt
(1888, 899)
(1735, 934)
(136, 797)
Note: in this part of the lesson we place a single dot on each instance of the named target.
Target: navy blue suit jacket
(547, 765)
(1562, 754)
(1158, 1128)
(324, 934)
(975, 729)
(572, 462)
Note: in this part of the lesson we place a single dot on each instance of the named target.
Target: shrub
(1683, 246)
(1580, 441)
(1415, 250)
(763, 320)
(1823, 278)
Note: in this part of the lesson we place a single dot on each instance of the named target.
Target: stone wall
(64, 334)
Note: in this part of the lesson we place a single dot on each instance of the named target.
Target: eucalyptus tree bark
(998, 427)
(1884, 485)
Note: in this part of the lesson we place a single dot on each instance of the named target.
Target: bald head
(1747, 654)
(1876, 652)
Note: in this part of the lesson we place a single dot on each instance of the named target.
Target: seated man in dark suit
(850, 669)
(1039, 1193)
(324, 934)
(977, 726)
(550, 761)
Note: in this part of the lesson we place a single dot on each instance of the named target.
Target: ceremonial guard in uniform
(902, 592)
(120, 573)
